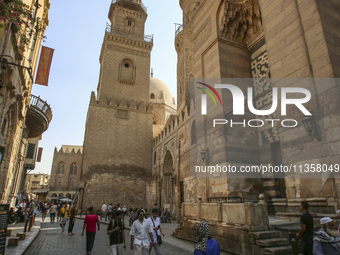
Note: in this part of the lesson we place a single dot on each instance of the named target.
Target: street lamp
(203, 156)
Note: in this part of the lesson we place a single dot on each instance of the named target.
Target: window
(152, 96)
(59, 183)
(61, 168)
(127, 71)
(129, 22)
(30, 151)
(73, 169)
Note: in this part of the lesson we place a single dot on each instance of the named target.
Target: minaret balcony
(132, 35)
(139, 2)
(38, 117)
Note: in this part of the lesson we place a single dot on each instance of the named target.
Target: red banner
(44, 66)
(39, 154)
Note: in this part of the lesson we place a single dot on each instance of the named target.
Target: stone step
(14, 241)
(273, 242)
(265, 234)
(8, 232)
(21, 236)
(282, 250)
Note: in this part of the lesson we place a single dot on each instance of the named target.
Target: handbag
(159, 238)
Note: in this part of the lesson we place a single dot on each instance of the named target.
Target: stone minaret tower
(118, 135)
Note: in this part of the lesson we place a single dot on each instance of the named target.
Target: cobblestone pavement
(51, 241)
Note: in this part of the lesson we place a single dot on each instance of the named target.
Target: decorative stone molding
(241, 21)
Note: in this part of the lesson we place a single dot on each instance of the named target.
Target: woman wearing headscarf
(205, 245)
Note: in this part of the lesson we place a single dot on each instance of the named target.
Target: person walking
(90, 222)
(72, 219)
(63, 217)
(306, 231)
(109, 209)
(43, 208)
(53, 210)
(157, 208)
(140, 233)
(58, 211)
(117, 235)
(155, 223)
(133, 216)
(327, 239)
(205, 245)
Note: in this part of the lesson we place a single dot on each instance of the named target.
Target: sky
(76, 31)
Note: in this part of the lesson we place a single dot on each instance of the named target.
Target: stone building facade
(36, 181)
(252, 39)
(218, 39)
(16, 101)
(66, 171)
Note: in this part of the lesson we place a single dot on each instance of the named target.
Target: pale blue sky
(76, 32)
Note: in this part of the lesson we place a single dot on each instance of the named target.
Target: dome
(159, 91)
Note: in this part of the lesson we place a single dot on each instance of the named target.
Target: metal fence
(134, 1)
(141, 37)
(226, 199)
(42, 105)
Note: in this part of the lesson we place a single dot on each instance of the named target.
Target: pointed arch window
(73, 168)
(61, 168)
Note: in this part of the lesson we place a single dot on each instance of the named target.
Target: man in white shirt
(155, 224)
(104, 209)
(109, 209)
(140, 233)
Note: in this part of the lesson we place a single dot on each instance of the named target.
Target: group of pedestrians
(145, 234)
(322, 242)
(108, 212)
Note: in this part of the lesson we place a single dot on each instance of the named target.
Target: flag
(44, 66)
(39, 154)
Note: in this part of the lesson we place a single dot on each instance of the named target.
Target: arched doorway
(168, 181)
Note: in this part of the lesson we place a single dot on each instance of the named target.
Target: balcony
(139, 2)
(38, 117)
(135, 36)
(179, 29)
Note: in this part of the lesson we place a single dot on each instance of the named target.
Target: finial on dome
(151, 72)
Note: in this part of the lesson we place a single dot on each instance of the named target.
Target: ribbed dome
(159, 90)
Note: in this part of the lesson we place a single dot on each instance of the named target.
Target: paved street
(51, 241)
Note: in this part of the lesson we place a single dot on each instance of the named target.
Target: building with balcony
(19, 60)
(36, 182)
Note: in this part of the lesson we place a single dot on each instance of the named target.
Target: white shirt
(141, 232)
(104, 207)
(157, 222)
(110, 208)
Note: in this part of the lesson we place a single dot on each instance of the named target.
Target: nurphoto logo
(240, 100)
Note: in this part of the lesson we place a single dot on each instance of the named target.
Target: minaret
(125, 54)
(117, 143)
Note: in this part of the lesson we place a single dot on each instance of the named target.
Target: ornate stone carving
(241, 21)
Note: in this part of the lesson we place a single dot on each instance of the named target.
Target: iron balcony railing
(179, 29)
(226, 199)
(146, 38)
(133, 1)
(37, 102)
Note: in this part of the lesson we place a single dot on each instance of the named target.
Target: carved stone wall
(241, 21)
